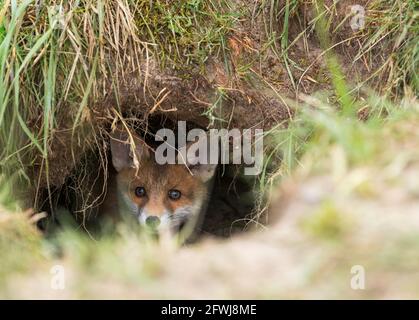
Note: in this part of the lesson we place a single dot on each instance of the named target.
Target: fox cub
(165, 198)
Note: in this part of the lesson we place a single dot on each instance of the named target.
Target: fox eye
(140, 192)
(174, 194)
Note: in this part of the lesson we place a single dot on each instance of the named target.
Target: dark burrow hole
(76, 203)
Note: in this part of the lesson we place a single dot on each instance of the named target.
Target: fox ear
(123, 145)
(197, 162)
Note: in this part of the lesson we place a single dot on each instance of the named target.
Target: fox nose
(152, 221)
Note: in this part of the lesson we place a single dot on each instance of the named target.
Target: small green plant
(328, 222)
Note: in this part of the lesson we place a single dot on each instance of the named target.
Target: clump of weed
(185, 32)
(328, 222)
(54, 61)
(20, 242)
(391, 31)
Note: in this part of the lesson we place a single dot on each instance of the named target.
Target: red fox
(161, 197)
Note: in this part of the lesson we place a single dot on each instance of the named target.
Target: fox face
(161, 197)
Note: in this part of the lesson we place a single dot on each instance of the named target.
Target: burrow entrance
(231, 206)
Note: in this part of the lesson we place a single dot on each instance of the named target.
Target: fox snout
(154, 220)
